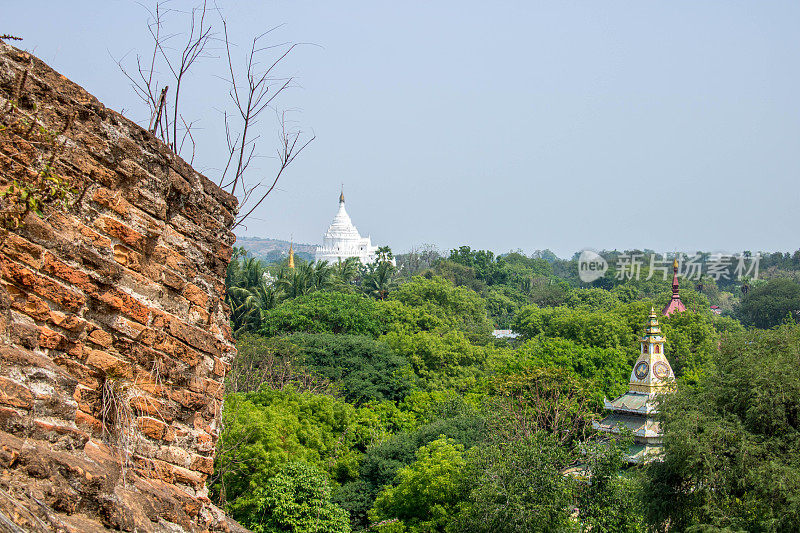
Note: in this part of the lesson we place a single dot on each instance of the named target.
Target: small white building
(342, 240)
(504, 334)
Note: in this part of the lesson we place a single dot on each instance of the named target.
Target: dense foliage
(374, 397)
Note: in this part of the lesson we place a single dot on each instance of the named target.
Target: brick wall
(114, 337)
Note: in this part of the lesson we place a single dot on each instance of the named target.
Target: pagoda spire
(651, 372)
(341, 195)
(675, 305)
(291, 254)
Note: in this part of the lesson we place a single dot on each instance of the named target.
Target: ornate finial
(341, 195)
(675, 265)
(291, 253)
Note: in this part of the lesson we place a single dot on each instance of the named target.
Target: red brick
(189, 399)
(202, 464)
(194, 337)
(151, 427)
(50, 339)
(127, 257)
(81, 280)
(92, 238)
(31, 305)
(41, 285)
(122, 232)
(15, 394)
(69, 322)
(147, 405)
(112, 200)
(87, 421)
(101, 337)
(109, 364)
(196, 295)
(220, 367)
(22, 250)
(126, 304)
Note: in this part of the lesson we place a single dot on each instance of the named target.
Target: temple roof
(342, 228)
(632, 402)
(643, 428)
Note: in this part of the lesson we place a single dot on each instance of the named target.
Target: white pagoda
(342, 240)
(636, 409)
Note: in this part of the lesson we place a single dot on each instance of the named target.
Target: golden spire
(341, 195)
(291, 255)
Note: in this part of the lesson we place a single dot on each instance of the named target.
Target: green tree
(608, 368)
(732, 444)
(518, 486)
(457, 306)
(325, 312)
(589, 328)
(265, 429)
(295, 500)
(367, 369)
(608, 500)
(768, 304)
(426, 494)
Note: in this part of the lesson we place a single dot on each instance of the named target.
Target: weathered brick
(88, 422)
(15, 394)
(120, 231)
(101, 337)
(109, 364)
(22, 250)
(127, 286)
(51, 339)
(196, 295)
(151, 427)
(202, 464)
(220, 367)
(126, 304)
(127, 257)
(80, 280)
(189, 399)
(194, 337)
(45, 287)
(112, 200)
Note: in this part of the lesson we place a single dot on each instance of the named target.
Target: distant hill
(272, 250)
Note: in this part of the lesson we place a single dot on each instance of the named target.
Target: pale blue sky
(502, 125)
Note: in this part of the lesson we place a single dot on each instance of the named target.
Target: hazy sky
(670, 125)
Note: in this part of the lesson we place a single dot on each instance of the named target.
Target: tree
(607, 368)
(297, 499)
(589, 328)
(550, 400)
(768, 304)
(325, 312)
(367, 369)
(426, 493)
(379, 279)
(518, 486)
(608, 500)
(731, 457)
(267, 428)
(456, 305)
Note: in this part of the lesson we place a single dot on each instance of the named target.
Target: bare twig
(161, 101)
(253, 88)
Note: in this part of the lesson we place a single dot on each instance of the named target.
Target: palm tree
(379, 280)
(346, 271)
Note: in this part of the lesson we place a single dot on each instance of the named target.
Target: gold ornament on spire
(291, 255)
